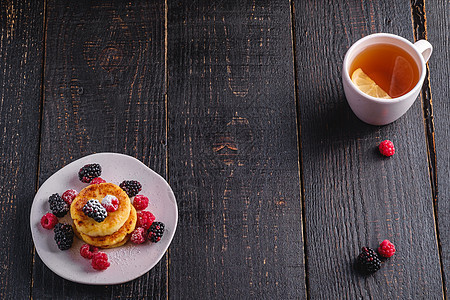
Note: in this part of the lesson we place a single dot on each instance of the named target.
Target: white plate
(127, 262)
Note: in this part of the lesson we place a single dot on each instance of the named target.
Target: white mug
(376, 111)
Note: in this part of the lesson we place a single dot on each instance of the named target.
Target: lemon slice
(367, 85)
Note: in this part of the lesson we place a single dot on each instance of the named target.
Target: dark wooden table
(240, 106)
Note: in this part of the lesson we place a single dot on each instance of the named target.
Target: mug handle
(425, 48)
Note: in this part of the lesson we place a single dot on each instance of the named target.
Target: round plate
(127, 262)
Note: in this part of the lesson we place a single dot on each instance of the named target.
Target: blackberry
(58, 206)
(156, 231)
(93, 209)
(368, 260)
(89, 172)
(63, 235)
(131, 187)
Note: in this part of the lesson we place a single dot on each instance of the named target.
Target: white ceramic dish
(127, 262)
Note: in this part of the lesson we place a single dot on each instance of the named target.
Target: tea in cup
(382, 76)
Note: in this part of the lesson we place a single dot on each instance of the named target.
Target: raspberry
(63, 235)
(386, 148)
(145, 219)
(368, 261)
(155, 232)
(138, 235)
(69, 195)
(58, 206)
(131, 187)
(89, 172)
(49, 220)
(93, 209)
(140, 202)
(97, 180)
(386, 249)
(110, 203)
(100, 261)
(88, 251)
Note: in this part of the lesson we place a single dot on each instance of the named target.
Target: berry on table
(49, 220)
(145, 219)
(386, 249)
(97, 180)
(58, 206)
(140, 202)
(95, 210)
(63, 235)
(110, 203)
(69, 195)
(131, 187)
(100, 261)
(156, 231)
(89, 172)
(88, 251)
(368, 260)
(386, 148)
(138, 235)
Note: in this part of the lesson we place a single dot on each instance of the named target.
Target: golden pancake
(118, 244)
(121, 243)
(116, 237)
(113, 221)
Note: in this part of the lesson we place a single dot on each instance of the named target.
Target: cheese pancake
(121, 243)
(116, 237)
(113, 221)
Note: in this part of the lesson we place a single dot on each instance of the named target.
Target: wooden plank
(104, 92)
(21, 53)
(233, 158)
(436, 22)
(353, 196)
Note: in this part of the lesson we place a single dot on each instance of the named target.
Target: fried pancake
(118, 244)
(121, 243)
(113, 221)
(115, 238)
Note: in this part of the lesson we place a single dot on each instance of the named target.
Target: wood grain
(353, 196)
(207, 93)
(436, 22)
(104, 92)
(21, 53)
(233, 158)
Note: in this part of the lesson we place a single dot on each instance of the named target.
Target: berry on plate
(93, 209)
(131, 187)
(49, 220)
(69, 195)
(97, 180)
(88, 251)
(110, 203)
(58, 206)
(386, 249)
(140, 202)
(145, 219)
(138, 235)
(386, 148)
(89, 172)
(100, 261)
(63, 235)
(155, 232)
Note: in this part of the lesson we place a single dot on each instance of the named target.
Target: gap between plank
(166, 87)
(419, 22)
(41, 119)
(299, 148)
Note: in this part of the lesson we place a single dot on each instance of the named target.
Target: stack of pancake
(112, 232)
